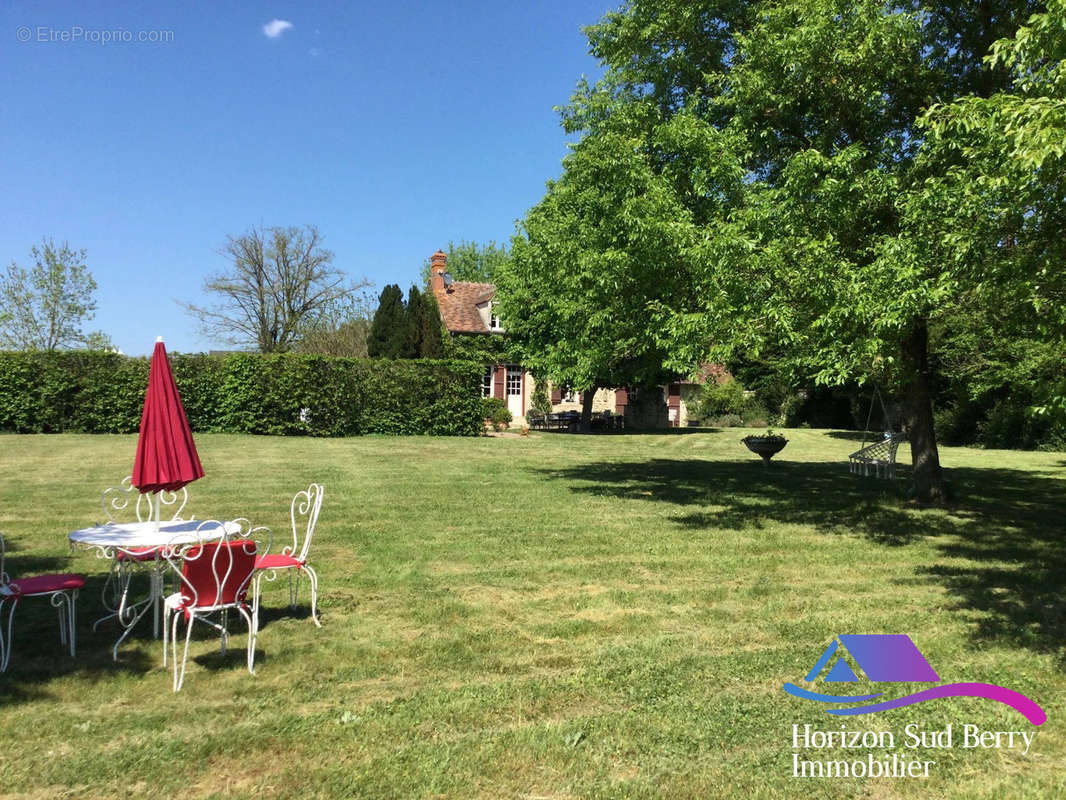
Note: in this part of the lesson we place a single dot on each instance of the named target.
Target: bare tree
(44, 308)
(340, 330)
(280, 281)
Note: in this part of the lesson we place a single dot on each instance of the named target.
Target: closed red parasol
(166, 454)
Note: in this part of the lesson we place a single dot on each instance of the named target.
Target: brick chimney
(438, 265)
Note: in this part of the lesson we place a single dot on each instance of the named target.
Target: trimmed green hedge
(90, 392)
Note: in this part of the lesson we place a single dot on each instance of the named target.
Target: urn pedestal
(766, 447)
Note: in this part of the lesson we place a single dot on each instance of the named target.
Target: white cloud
(276, 27)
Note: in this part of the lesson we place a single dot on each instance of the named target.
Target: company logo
(893, 658)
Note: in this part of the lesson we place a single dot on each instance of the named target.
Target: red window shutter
(557, 395)
(499, 382)
(673, 399)
(621, 400)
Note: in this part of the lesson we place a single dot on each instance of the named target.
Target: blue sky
(392, 126)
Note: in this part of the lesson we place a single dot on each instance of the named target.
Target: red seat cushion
(44, 584)
(276, 561)
(139, 554)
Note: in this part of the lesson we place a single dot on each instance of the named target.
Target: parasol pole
(155, 494)
(156, 578)
(166, 455)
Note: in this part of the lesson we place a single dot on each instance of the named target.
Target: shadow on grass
(280, 610)
(747, 494)
(19, 563)
(38, 657)
(632, 431)
(1018, 580)
(1006, 524)
(668, 431)
(855, 436)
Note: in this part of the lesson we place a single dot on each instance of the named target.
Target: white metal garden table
(140, 539)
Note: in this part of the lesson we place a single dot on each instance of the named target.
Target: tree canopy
(600, 245)
(341, 330)
(996, 206)
(44, 308)
(778, 184)
(280, 282)
(471, 261)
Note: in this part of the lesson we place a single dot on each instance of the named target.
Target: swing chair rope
(877, 398)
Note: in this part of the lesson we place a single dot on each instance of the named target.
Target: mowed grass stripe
(551, 616)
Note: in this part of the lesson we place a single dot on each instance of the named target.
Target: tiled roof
(458, 306)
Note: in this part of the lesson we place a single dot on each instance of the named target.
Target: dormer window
(494, 321)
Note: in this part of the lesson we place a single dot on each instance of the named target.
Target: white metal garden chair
(122, 503)
(214, 578)
(116, 500)
(60, 589)
(303, 513)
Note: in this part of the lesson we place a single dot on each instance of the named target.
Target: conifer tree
(432, 337)
(388, 331)
(412, 346)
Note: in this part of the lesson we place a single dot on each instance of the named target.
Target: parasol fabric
(166, 453)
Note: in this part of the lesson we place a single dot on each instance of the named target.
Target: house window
(569, 395)
(486, 383)
(494, 321)
(514, 379)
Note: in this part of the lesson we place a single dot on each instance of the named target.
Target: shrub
(495, 411)
(91, 392)
(727, 421)
(1010, 424)
(729, 399)
(956, 423)
(717, 399)
(539, 401)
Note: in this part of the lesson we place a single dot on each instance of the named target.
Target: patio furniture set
(569, 420)
(212, 567)
(211, 564)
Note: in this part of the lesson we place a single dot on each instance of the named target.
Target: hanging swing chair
(879, 458)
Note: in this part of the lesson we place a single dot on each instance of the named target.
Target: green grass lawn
(556, 616)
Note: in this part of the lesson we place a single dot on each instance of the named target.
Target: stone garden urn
(766, 447)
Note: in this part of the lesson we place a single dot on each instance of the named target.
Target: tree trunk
(586, 409)
(928, 478)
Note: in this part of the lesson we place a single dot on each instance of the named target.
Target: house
(467, 308)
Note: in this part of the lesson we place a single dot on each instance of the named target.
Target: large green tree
(789, 133)
(471, 261)
(589, 259)
(44, 307)
(996, 205)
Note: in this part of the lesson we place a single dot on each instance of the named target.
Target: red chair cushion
(45, 584)
(276, 561)
(139, 554)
